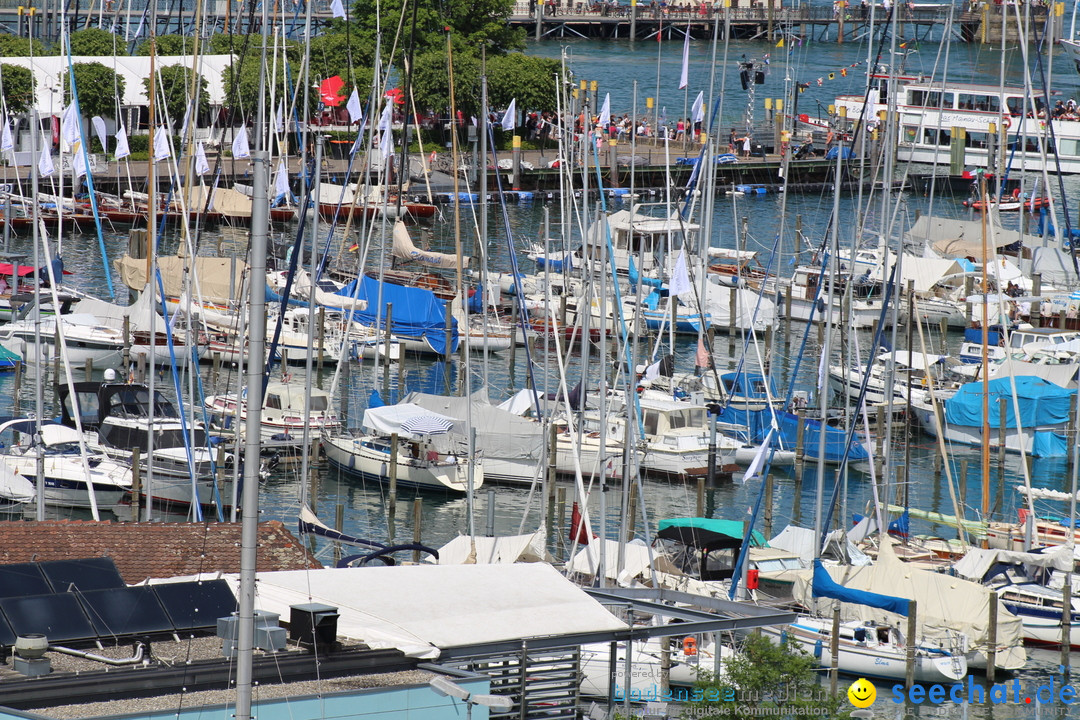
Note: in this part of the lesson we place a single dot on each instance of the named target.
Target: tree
(472, 22)
(15, 46)
(765, 675)
(96, 42)
(175, 81)
(530, 80)
(242, 94)
(98, 87)
(17, 88)
(167, 45)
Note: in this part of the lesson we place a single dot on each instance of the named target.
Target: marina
(568, 405)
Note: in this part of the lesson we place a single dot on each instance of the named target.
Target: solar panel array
(76, 602)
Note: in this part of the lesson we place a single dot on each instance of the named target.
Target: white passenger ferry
(931, 112)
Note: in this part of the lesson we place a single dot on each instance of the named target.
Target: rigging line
(89, 178)
(859, 405)
(519, 292)
(825, 260)
(1050, 125)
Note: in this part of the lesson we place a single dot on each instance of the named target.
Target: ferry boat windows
(979, 102)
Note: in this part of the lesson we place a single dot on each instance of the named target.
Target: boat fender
(689, 645)
(817, 649)
(752, 579)
(731, 281)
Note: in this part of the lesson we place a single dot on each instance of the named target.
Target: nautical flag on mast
(281, 181)
(201, 165)
(337, 8)
(684, 79)
(45, 163)
(680, 277)
(69, 124)
(122, 150)
(6, 141)
(509, 118)
(356, 113)
(240, 149)
(703, 359)
(697, 112)
(279, 117)
(605, 112)
(99, 127)
(161, 145)
(78, 160)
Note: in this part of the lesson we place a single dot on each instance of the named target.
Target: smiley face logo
(862, 693)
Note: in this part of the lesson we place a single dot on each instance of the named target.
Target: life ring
(689, 645)
(1006, 123)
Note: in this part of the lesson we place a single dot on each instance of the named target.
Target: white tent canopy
(409, 421)
(422, 609)
(49, 72)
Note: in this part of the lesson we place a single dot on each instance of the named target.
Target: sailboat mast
(985, 368)
(39, 391)
(260, 221)
(151, 253)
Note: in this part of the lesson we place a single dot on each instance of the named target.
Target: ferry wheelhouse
(938, 120)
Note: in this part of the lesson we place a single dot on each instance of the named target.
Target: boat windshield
(134, 402)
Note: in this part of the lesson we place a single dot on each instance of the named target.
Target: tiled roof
(152, 550)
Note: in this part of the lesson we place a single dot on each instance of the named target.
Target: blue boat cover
(1042, 403)
(1050, 444)
(417, 312)
(824, 586)
(759, 422)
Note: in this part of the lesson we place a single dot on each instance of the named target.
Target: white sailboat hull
(365, 458)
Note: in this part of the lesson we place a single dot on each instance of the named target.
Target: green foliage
(96, 42)
(472, 22)
(242, 95)
(765, 675)
(15, 46)
(530, 80)
(17, 87)
(98, 87)
(175, 82)
(168, 45)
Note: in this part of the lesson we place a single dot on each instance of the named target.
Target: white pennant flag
(99, 127)
(279, 117)
(69, 125)
(697, 112)
(187, 119)
(356, 113)
(45, 163)
(680, 277)
(6, 141)
(509, 118)
(201, 165)
(122, 150)
(281, 182)
(386, 143)
(651, 372)
(240, 149)
(684, 79)
(605, 112)
(337, 8)
(78, 160)
(161, 145)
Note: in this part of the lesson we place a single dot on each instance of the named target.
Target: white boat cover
(1055, 266)
(14, 488)
(499, 433)
(951, 238)
(800, 541)
(406, 250)
(466, 550)
(944, 603)
(390, 419)
(112, 316)
(637, 560)
(977, 561)
(1062, 375)
(422, 609)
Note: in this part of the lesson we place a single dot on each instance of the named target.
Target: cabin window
(273, 402)
(917, 98)
(677, 420)
(1068, 147)
(977, 139)
(911, 133)
(319, 403)
(620, 239)
(652, 422)
(758, 387)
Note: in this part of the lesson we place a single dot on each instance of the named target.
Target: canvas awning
(409, 421)
(466, 550)
(424, 609)
(977, 561)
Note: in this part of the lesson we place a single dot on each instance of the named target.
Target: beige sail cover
(404, 249)
(944, 603)
(219, 279)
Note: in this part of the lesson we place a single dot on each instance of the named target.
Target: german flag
(354, 247)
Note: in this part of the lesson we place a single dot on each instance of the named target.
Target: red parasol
(329, 89)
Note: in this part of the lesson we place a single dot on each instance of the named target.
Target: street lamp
(448, 688)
